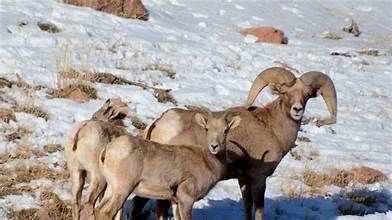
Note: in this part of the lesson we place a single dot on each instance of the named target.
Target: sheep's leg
(162, 207)
(176, 211)
(185, 208)
(77, 178)
(246, 197)
(138, 204)
(109, 209)
(258, 191)
(97, 185)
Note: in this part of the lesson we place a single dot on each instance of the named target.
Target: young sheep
(265, 136)
(182, 174)
(84, 143)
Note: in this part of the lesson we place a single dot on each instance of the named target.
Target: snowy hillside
(194, 48)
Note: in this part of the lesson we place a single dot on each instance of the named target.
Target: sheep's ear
(118, 112)
(234, 122)
(201, 120)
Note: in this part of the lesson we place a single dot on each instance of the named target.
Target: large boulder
(266, 34)
(123, 8)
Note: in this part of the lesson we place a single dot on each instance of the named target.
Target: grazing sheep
(84, 143)
(182, 174)
(264, 136)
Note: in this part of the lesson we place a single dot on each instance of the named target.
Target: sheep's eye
(206, 129)
(226, 130)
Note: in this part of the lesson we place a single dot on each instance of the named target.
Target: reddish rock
(266, 34)
(367, 175)
(79, 96)
(123, 8)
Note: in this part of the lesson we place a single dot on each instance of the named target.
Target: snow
(214, 67)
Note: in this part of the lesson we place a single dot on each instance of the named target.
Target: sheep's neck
(215, 163)
(282, 125)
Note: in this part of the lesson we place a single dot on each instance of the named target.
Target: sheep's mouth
(296, 116)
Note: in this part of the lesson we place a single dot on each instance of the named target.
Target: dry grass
(32, 109)
(56, 208)
(5, 83)
(52, 148)
(295, 154)
(164, 97)
(23, 214)
(22, 152)
(48, 27)
(10, 189)
(24, 174)
(167, 69)
(370, 53)
(65, 91)
(337, 177)
(18, 134)
(291, 192)
(332, 35)
(137, 123)
(51, 207)
(6, 115)
(303, 139)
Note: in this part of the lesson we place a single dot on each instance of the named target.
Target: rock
(123, 8)
(79, 96)
(367, 175)
(266, 34)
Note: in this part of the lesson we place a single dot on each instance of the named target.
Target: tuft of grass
(370, 53)
(332, 35)
(18, 134)
(65, 91)
(56, 208)
(164, 97)
(292, 193)
(167, 69)
(48, 27)
(32, 109)
(295, 154)
(303, 139)
(10, 189)
(51, 148)
(137, 123)
(24, 174)
(6, 115)
(5, 83)
(337, 177)
(23, 214)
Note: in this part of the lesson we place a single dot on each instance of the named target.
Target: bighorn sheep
(182, 174)
(84, 143)
(264, 137)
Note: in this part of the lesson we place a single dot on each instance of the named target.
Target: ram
(84, 143)
(265, 135)
(182, 174)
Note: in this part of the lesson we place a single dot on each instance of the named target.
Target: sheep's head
(217, 129)
(295, 92)
(112, 109)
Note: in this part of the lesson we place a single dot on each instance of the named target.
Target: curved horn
(276, 75)
(321, 83)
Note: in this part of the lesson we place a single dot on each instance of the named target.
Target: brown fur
(265, 134)
(182, 174)
(82, 149)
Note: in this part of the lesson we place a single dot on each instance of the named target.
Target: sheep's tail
(75, 139)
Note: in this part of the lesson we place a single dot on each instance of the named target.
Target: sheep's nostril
(297, 109)
(214, 146)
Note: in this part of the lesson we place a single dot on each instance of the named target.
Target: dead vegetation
(6, 115)
(65, 91)
(352, 29)
(24, 174)
(52, 148)
(162, 95)
(18, 134)
(32, 109)
(48, 27)
(337, 177)
(332, 35)
(137, 123)
(167, 69)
